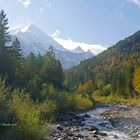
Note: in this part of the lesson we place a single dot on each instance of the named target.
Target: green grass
(117, 99)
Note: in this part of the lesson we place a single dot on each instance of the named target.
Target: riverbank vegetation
(32, 90)
(135, 101)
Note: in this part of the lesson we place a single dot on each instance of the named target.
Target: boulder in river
(60, 128)
(103, 134)
(93, 128)
(86, 116)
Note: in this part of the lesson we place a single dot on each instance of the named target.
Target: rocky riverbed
(104, 122)
(126, 119)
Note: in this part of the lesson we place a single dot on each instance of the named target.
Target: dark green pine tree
(4, 34)
(5, 66)
(50, 51)
(59, 75)
(16, 61)
(16, 52)
(51, 71)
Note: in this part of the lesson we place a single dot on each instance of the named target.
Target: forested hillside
(116, 71)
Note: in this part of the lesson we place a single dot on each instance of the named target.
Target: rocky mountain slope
(34, 40)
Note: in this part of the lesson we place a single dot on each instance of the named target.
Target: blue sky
(102, 22)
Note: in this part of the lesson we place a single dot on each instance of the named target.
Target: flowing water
(122, 130)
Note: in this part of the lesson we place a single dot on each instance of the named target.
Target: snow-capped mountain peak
(90, 52)
(78, 50)
(32, 39)
(27, 28)
(33, 36)
(24, 29)
(30, 28)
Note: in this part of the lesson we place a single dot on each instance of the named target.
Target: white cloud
(56, 33)
(26, 3)
(136, 2)
(70, 44)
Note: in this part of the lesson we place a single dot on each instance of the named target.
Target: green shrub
(106, 90)
(31, 125)
(24, 131)
(5, 114)
(95, 93)
(64, 102)
(48, 92)
(82, 103)
(86, 88)
(47, 110)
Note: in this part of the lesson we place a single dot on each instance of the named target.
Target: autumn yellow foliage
(117, 100)
(85, 88)
(82, 103)
(136, 80)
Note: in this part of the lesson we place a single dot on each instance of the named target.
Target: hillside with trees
(114, 72)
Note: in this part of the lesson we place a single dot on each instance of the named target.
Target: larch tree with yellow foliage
(136, 80)
(86, 88)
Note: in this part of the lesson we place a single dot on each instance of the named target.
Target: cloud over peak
(26, 3)
(70, 44)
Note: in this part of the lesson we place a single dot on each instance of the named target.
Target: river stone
(60, 128)
(86, 116)
(138, 135)
(80, 135)
(95, 132)
(115, 136)
(70, 134)
(95, 136)
(103, 134)
(72, 114)
(93, 128)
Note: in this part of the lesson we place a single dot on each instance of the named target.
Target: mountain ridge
(78, 50)
(34, 40)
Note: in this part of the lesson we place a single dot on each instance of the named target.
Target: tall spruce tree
(4, 34)
(4, 40)
(16, 61)
(52, 71)
(16, 53)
